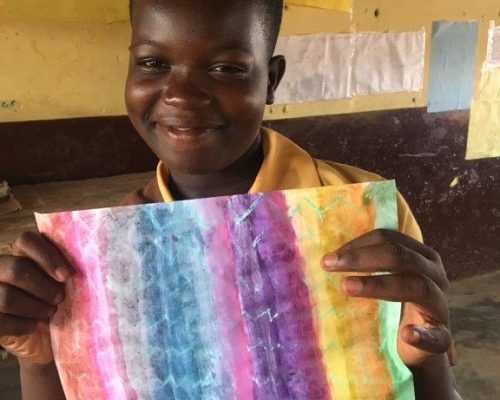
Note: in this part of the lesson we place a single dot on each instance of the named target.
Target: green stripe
(384, 194)
(402, 379)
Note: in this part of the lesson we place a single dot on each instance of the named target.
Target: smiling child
(201, 73)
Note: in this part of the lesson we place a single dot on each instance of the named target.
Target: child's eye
(228, 69)
(152, 64)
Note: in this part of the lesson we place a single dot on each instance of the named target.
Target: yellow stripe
(354, 372)
(310, 235)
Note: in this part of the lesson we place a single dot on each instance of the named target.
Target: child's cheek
(140, 99)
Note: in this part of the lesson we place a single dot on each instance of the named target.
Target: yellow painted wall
(72, 62)
(65, 10)
(62, 70)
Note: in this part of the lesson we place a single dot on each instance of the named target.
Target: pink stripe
(100, 354)
(74, 345)
(227, 301)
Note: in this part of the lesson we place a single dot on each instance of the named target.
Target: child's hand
(417, 279)
(31, 287)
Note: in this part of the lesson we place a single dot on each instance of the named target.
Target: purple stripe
(275, 299)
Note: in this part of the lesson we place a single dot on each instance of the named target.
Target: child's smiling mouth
(188, 134)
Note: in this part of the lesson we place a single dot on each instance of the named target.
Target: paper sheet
(489, 85)
(493, 58)
(339, 5)
(453, 64)
(318, 67)
(224, 299)
(484, 128)
(388, 62)
(339, 66)
(305, 74)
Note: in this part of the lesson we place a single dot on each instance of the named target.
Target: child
(200, 75)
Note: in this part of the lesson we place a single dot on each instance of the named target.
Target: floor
(474, 302)
(475, 312)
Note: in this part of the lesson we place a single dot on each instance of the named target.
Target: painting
(224, 298)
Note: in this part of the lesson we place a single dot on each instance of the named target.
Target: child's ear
(277, 67)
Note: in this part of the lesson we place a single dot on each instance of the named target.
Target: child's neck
(238, 178)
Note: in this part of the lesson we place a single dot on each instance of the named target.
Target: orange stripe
(348, 329)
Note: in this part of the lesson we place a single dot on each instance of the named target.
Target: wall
(58, 70)
(87, 42)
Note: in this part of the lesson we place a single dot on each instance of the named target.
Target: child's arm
(418, 280)
(31, 287)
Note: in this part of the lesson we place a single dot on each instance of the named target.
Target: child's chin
(195, 167)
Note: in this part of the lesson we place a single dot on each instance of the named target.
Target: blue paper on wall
(453, 62)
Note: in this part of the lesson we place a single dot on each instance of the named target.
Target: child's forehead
(224, 19)
(200, 9)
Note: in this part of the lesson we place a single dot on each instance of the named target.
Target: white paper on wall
(388, 62)
(303, 80)
(318, 67)
(340, 66)
(493, 58)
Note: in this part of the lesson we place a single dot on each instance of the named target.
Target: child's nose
(183, 91)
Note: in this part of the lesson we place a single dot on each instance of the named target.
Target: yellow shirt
(287, 166)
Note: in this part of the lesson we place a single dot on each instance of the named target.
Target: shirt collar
(286, 166)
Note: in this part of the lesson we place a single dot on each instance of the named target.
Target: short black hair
(271, 12)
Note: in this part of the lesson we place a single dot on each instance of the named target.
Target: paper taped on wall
(318, 67)
(299, 83)
(388, 62)
(493, 58)
(340, 66)
(338, 70)
(489, 85)
(453, 64)
(484, 127)
(484, 130)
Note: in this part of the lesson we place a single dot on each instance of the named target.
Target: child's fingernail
(330, 261)
(62, 274)
(353, 286)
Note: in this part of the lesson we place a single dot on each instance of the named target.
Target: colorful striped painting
(224, 298)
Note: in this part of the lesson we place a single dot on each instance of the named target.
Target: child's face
(199, 79)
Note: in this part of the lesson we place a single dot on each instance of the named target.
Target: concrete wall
(67, 58)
